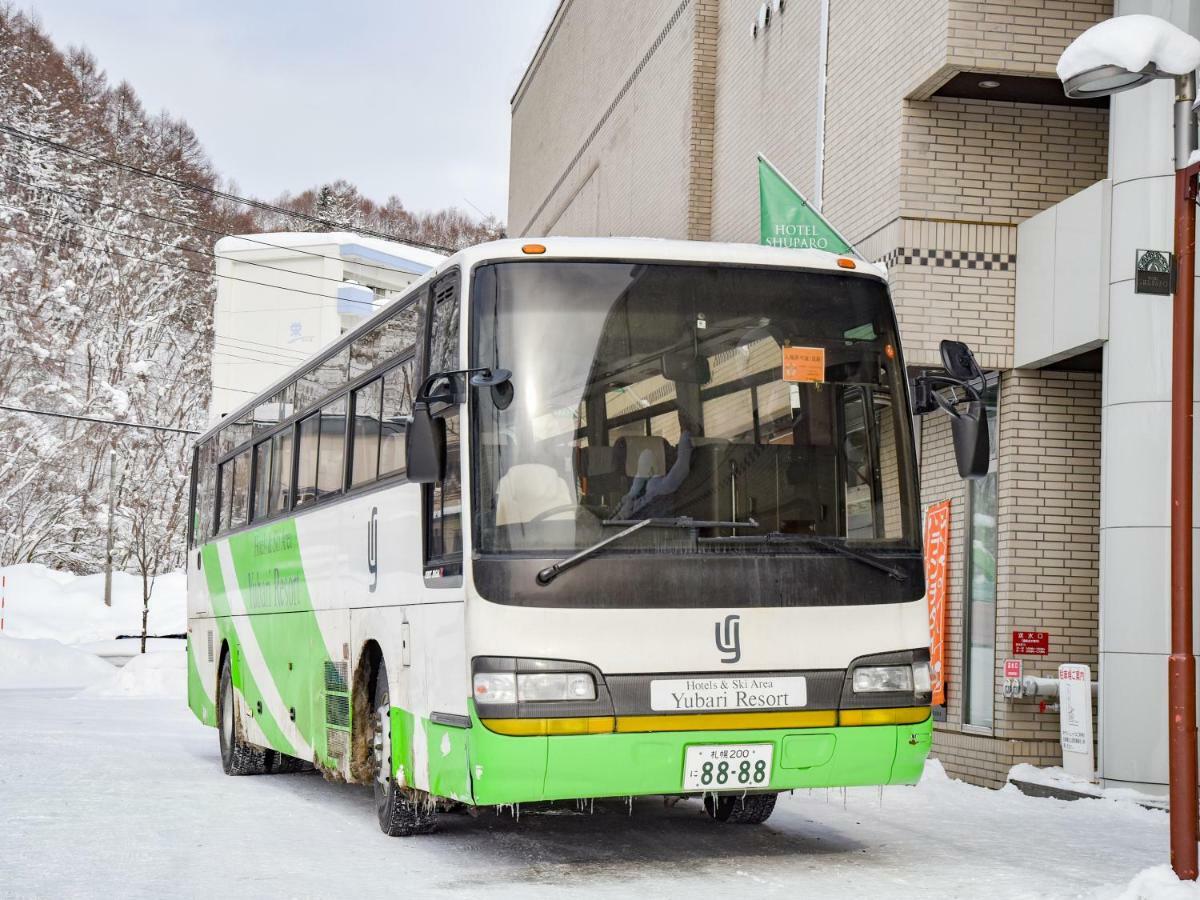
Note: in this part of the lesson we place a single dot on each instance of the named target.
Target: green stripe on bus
(240, 674)
(199, 700)
(274, 589)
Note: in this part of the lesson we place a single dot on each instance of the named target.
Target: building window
(979, 639)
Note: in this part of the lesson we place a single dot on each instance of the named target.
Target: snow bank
(1157, 883)
(1056, 777)
(1132, 42)
(47, 664)
(161, 674)
(43, 603)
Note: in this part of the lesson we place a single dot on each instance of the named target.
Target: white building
(281, 297)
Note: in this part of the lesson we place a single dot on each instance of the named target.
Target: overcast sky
(405, 97)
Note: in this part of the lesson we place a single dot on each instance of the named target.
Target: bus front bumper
(524, 769)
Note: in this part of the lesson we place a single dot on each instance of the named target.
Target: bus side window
(262, 481)
(397, 406)
(364, 462)
(445, 525)
(281, 471)
(309, 433)
(444, 500)
(223, 496)
(332, 453)
(239, 500)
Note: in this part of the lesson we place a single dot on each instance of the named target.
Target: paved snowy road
(118, 797)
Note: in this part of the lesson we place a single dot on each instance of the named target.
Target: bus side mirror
(972, 442)
(425, 446)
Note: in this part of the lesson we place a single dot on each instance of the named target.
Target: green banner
(786, 219)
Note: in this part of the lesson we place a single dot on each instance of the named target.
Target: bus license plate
(727, 767)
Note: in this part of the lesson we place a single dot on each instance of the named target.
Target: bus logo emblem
(729, 638)
(373, 549)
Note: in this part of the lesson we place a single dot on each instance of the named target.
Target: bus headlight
(532, 687)
(535, 686)
(922, 677)
(495, 687)
(868, 679)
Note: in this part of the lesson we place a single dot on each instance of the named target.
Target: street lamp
(1117, 55)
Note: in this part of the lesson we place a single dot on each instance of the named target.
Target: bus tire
(237, 756)
(402, 812)
(749, 809)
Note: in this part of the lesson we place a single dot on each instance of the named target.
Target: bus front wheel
(402, 811)
(748, 809)
(237, 756)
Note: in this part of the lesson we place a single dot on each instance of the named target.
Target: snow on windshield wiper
(548, 574)
(779, 537)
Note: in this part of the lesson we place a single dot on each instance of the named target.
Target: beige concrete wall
(873, 60)
(601, 122)
(766, 103)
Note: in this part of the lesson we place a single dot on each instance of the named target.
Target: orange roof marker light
(534, 248)
(846, 263)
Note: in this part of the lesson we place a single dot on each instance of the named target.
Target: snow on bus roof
(1132, 42)
(350, 246)
(660, 250)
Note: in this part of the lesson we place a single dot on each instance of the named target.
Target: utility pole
(1092, 67)
(108, 549)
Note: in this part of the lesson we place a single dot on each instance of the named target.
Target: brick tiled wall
(1049, 471)
(766, 103)
(1017, 36)
(997, 162)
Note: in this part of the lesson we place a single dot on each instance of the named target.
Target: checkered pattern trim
(950, 259)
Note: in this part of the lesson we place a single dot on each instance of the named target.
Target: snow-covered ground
(43, 603)
(112, 791)
(109, 787)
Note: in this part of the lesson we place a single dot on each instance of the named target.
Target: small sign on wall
(1012, 678)
(1154, 272)
(1031, 643)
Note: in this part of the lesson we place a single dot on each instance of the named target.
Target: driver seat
(527, 490)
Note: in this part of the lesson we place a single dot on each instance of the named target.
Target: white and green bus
(577, 519)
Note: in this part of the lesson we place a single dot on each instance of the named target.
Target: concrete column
(1135, 435)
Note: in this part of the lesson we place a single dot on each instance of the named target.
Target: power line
(58, 415)
(205, 228)
(212, 192)
(187, 249)
(231, 342)
(167, 265)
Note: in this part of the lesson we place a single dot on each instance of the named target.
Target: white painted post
(1075, 720)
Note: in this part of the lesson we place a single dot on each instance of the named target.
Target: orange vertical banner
(937, 564)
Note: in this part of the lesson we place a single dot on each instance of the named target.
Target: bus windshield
(768, 405)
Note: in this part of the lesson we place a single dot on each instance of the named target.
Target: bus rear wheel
(749, 809)
(237, 756)
(402, 812)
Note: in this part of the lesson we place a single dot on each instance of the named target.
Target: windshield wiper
(779, 537)
(548, 574)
